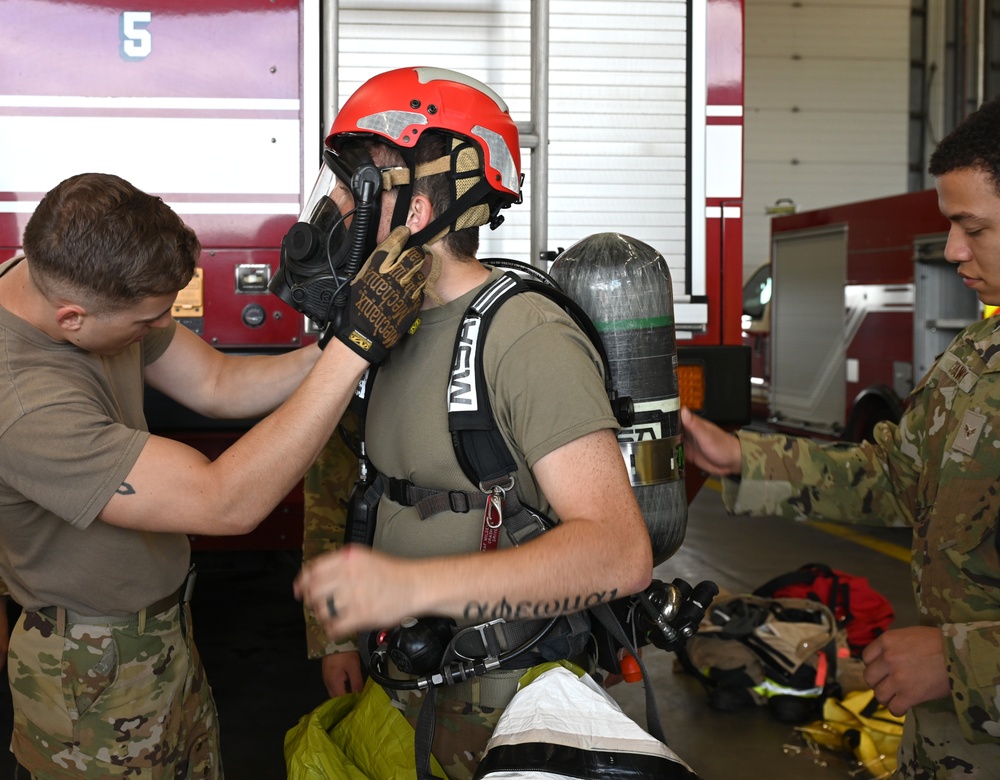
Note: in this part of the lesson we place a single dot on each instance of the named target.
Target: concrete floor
(250, 633)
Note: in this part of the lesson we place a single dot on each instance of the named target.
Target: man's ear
(420, 214)
(70, 316)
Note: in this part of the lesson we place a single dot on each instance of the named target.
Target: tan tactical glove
(386, 296)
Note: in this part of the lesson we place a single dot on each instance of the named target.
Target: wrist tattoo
(481, 610)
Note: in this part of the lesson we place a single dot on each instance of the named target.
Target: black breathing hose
(455, 672)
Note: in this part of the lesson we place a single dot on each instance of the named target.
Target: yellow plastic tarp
(353, 737)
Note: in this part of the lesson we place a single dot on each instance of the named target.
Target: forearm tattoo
(478, 610)
(125, 490)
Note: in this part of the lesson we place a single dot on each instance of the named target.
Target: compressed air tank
(624, 286)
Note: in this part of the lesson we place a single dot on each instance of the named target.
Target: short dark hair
(974, 143)
(438, 187)
(98, 236)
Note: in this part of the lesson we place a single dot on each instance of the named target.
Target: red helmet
(399, 105)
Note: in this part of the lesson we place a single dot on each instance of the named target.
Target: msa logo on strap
(463, 394)
(463, 391)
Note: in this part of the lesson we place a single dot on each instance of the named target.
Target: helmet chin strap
(403, 185)
(479, 194)
(445, 223)
(457, 216)
(404, 193)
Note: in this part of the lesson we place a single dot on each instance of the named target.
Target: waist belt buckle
(398, 490)
(183, 596)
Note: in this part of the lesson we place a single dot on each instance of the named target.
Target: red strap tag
(492, 519)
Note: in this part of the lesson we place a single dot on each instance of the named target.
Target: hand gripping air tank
(624, 286)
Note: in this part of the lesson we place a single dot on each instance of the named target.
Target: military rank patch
(969, 430)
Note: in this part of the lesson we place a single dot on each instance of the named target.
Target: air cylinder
(624, 286)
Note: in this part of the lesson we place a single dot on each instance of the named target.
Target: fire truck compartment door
(808, 328)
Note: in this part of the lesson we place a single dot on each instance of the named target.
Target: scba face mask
(323, 251)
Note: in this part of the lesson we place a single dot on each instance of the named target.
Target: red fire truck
(855, 305)
(220, 107)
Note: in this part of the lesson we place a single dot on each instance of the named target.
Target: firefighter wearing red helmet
(440, 152)
(478, 170)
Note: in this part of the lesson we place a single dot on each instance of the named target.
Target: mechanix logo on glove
(386, 296)
(386, 301)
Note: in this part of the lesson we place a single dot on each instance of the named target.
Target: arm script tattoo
(125, 490)
(478, 611)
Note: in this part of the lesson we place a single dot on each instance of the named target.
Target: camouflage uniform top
(327, 489)
(939, 472)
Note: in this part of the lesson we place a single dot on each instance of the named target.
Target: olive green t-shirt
(71, 428)
(545, 387)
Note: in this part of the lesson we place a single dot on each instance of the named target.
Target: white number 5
(136, 40)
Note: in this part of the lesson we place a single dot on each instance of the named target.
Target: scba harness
(486, 461)
(435, 651)
(479, 446)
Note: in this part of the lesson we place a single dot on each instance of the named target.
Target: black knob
(254, 315)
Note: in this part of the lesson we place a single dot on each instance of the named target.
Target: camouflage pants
(933, 748)
(463, 725)
(109, 702)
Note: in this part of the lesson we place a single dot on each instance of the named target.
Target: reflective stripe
(770, 688)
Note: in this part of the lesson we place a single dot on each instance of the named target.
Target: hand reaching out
(709, 447)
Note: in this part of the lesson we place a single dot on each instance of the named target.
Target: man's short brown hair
(97, 236)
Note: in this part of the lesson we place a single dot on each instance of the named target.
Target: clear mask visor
(329, 202)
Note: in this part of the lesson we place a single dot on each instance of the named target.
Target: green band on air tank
(613, 326)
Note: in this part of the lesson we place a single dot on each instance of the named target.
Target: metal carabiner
(495, 502)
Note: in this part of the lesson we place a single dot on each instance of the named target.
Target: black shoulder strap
(362, 393)
(479, 446)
